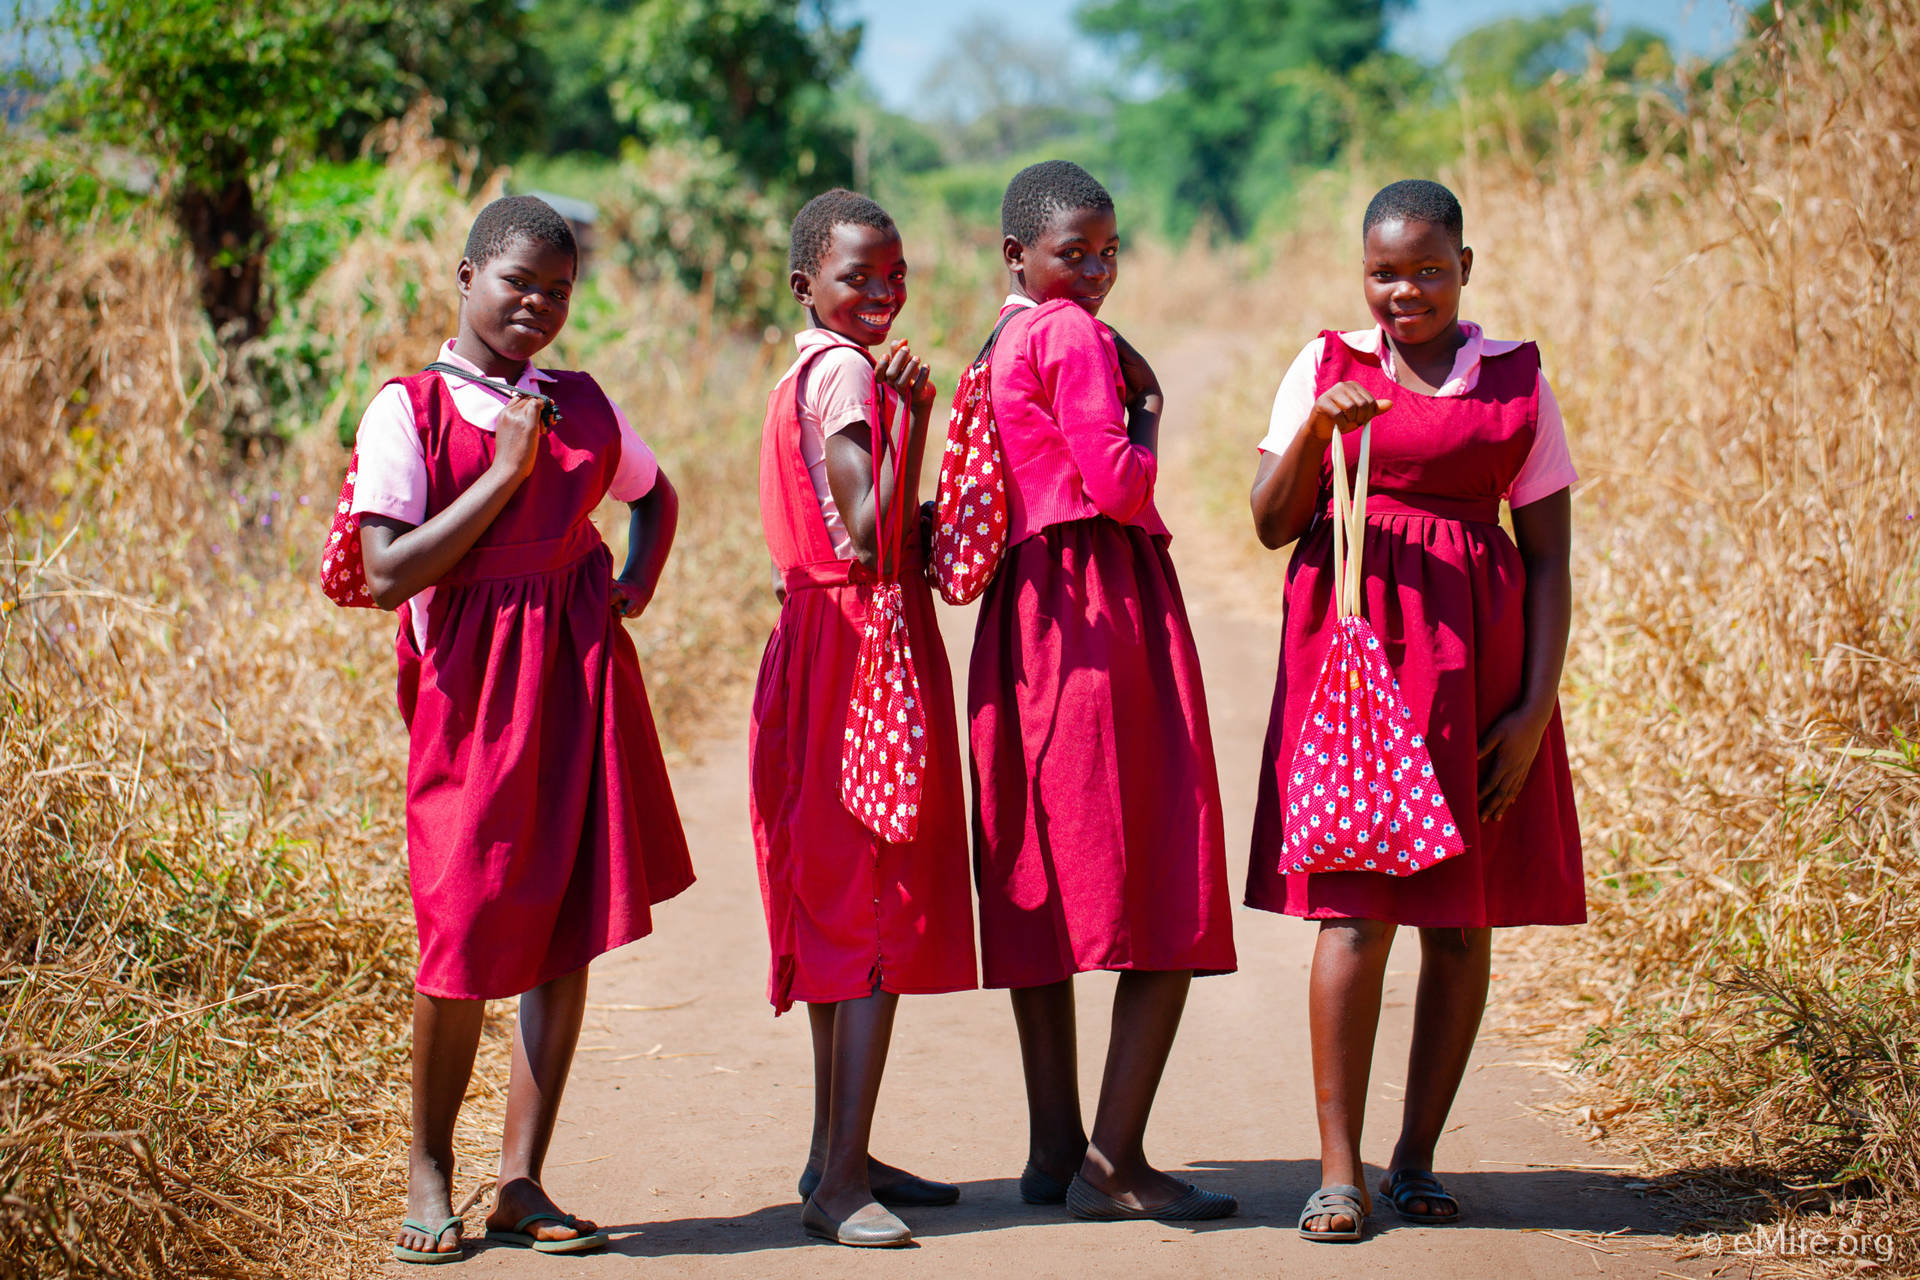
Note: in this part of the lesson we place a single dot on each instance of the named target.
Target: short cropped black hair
(1416, 200)
(813, 225)
(1040, 191)
(513, 218)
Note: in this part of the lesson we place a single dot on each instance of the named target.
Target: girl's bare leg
(1349, 967)
(882, 1176)
(544, 1037)
(1146, 1017)
(820, 1021)
(862, 1033)
(1454, 967)
(446, 1034)
(1049, 1055)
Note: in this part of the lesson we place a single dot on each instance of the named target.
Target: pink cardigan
(1058, 402)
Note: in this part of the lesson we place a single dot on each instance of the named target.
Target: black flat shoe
(909, 1193)
(870, 1227)
(1194, 1205)
(1037, 1186)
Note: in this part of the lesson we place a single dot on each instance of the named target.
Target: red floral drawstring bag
(1361, 795)
(884, 760)
(970, 506)
(343, 570)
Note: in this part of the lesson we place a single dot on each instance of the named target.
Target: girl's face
(1414, 275)
(516, 302)
(1077, 256)
(860, 286)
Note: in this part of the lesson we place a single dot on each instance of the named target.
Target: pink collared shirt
(1059, 406)
(392, 480)
(835, 391)
(1548, 468)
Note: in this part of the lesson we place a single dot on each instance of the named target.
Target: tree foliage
(222, 94)
(752, 76)
(1522, 52)
(1245, 82)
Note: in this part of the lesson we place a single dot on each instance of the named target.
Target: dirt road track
(685, 1127)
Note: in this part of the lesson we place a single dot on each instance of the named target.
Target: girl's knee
(1360, 937)
(1456, 944)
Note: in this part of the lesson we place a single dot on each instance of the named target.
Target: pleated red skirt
(541, 826)
(1097, 823)
(846, 911)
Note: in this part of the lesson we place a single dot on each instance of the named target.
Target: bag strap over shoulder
(548, 410)
(987, 349)
(890, 525)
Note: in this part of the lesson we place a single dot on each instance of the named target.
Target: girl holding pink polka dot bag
(1415, 770)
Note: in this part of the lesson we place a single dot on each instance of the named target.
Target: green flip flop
(520, 1238)
(429, 1257)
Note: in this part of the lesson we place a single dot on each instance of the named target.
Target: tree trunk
(229, 236)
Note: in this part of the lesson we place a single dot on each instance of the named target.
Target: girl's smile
(1076, 257)
(861, 284)
(1414, 274)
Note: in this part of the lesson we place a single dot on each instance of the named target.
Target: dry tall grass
(207, 947)
(1731, 326)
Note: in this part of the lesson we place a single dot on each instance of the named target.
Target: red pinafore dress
(1444, 588)
(541, 827)
(847, 911)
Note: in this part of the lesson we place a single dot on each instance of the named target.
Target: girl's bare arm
(402, 559)
(850, 459)
(651, 524)
(1286, 489)
(1543, 531)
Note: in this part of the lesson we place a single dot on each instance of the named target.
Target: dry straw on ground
(207, 947)
(1725, 302)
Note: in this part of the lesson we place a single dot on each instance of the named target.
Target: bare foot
(516, 1199)
(429, 1200)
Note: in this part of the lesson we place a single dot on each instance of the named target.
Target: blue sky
(905, 38)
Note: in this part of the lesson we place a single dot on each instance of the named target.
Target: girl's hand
(1138, 375)
(1346, 406)
(518, 435)
(1507, 750)
(908, 375)
(630, 599)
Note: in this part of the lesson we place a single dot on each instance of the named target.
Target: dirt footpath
(688, 1116)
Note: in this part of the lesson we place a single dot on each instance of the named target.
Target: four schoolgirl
(541, 827)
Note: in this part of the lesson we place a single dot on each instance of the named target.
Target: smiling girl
(541, 827)
(855, 921)
(1097, 807)
(1475, 628)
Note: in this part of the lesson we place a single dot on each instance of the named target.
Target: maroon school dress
(541, 826)
(1097, 818)
(846, 911)
(1444, 589)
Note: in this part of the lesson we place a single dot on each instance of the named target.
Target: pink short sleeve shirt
(393, 470)
(1549, 466)
(392, 481)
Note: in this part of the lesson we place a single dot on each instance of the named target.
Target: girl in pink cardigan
(1097, 807)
